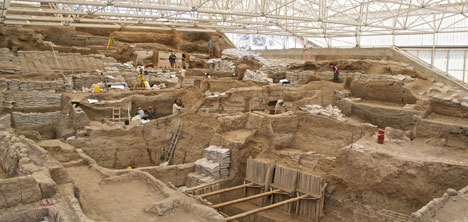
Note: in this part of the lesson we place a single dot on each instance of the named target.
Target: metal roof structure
(303, 19)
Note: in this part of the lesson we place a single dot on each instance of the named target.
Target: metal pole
(465, 70)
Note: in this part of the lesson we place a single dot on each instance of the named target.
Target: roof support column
(5, 5)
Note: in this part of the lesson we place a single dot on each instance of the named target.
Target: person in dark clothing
(183, 60)
(172, 59)
(336, 73)
(150, 113)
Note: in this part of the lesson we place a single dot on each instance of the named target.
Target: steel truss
(298, 18)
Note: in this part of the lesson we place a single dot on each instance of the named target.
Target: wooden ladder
(115, 113)
(172, 146)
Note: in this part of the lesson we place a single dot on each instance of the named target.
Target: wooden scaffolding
(269, 186)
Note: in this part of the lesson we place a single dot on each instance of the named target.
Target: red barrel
(272, 111)
(380, 136)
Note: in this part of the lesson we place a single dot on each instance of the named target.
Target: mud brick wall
(44, 62)
(33, 101)
(14, 84)
(9, 154)
(80, 81)
(36, 214)
(19, 190)
(25, 120)
(174, 174)
(5, 122)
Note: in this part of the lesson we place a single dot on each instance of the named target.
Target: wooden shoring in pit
(257, 171)
(314, 186)
(258, 210)
(245, 199)
(201, 189)
(260, 172)
(225, 190)
(285, 179)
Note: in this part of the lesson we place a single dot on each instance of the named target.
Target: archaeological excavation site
(135, 111)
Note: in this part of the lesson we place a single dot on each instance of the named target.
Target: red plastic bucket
(380, 136)
(272, 111)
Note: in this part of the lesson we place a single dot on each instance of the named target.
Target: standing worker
(181, 77)
(210, 48)
(150, 113)
(176, 108)
(172, 59)
(336, 73)
(183, 60)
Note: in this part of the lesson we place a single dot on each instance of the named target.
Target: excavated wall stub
(156, 200)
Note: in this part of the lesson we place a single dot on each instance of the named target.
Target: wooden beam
(191, 189)
(258, 210)
(245, 199)
(225, 190)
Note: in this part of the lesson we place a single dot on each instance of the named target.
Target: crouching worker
(150, 113)
(176, 108)
(279, 107)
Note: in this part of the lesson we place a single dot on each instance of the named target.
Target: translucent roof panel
(347, 23)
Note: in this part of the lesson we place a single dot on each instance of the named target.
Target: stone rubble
(257, 76)
(238, 54)
(222, 65)
(331, 111)
(446, 93)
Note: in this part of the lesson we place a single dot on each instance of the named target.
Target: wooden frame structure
(295, 192)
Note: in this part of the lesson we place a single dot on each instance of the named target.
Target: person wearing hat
(150, 113)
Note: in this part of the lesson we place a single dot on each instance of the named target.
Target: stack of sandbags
(195, 179)
(219, 155)
(208, 167)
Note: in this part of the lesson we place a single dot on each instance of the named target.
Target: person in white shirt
(176, 108)
(279, 107)
(141, 113)
(181, 77)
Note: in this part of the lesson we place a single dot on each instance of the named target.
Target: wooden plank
(285, 178)
(191, 189)
(258, 210)
(245, 199)
(225, 190)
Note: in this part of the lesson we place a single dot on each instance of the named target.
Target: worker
(336, 73)
(108, 84)
(279, 107)
(210, 48)
(180, 103)
(181, 77)
(150, 113)
(172, 59)
(183, 60)
(176, 108)
(141, 113)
